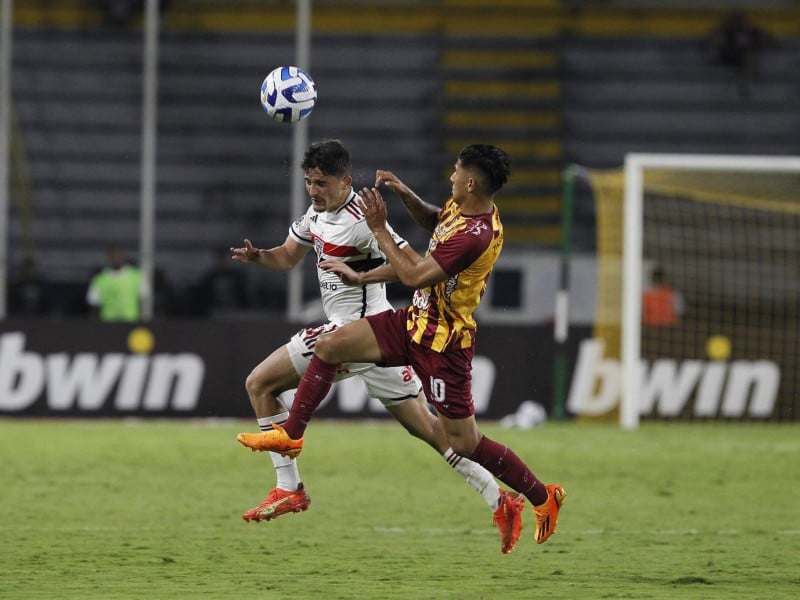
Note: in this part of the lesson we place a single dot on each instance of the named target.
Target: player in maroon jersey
(436, 334)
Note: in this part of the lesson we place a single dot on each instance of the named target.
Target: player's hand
(374, 209)
(345, 273)
(391, 181)
(247, 254)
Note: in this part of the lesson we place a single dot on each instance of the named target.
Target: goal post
(636, 167)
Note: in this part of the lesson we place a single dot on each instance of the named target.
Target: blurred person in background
(120, 13)
(737, 43)
(28, 292)
(662, 305)
(124, 13)
(223, 288)
(166, 297)
(335, 228)
(116, 292)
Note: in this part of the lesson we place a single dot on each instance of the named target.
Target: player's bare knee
(326, 348)
(258, 385)
(252, 384)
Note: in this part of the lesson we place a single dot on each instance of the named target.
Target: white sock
(477, 476)
(288, 476)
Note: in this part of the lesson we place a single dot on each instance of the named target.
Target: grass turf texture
(111, 509)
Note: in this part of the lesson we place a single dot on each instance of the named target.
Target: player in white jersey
(335, 228)
(342, 234)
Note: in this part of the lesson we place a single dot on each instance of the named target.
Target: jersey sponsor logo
(421, 299)
(88, 381)
(408, 374)
(450, 287)
(667, 386)
(476, 227)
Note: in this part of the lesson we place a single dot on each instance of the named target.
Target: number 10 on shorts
(437, 390)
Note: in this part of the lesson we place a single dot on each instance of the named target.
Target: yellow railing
(449, 17)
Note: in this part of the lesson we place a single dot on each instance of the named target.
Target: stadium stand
(553, 82)
(506, 91)
(664, 95)
(222, 164)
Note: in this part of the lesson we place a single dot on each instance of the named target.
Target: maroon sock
(312, 390)
(501, 462)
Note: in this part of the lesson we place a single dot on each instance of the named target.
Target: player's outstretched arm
(381, 274)
(350, 277)
(412, 273)
(424, 214)
(280, 258)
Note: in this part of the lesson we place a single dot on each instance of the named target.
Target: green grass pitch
(118, 509)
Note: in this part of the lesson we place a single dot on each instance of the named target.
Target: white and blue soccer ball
(288, 94)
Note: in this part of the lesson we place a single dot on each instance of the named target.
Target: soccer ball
(288, 94)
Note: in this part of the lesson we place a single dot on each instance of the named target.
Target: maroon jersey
(466, 247)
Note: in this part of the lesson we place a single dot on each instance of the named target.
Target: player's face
(326, 192)
(461, 181)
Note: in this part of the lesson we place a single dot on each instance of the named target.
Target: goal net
(698, 300)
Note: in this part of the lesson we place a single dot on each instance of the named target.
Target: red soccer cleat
(279, 502)
(508, 518)
(547, 513)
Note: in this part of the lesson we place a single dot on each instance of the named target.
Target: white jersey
(343, 235)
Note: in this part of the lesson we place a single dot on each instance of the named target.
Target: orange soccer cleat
(508, 518)
(274, 440)
(547, 513)
(279, 502)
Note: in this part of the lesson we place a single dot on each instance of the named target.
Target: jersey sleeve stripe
(299, 238)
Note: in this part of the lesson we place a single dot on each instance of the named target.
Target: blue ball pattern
(288, 94)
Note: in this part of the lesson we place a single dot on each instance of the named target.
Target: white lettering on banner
(21, 373)
(351, 393)
(86, 381)
(595, 388)
(728, 389)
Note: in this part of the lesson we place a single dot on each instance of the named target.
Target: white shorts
(390, 385)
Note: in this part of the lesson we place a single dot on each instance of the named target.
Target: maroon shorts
(446, 376)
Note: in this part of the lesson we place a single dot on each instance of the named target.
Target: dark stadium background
(405, 85)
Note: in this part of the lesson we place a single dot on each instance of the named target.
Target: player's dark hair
(329, 156)
(490, 160)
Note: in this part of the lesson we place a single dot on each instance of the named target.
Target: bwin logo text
(87, 381)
